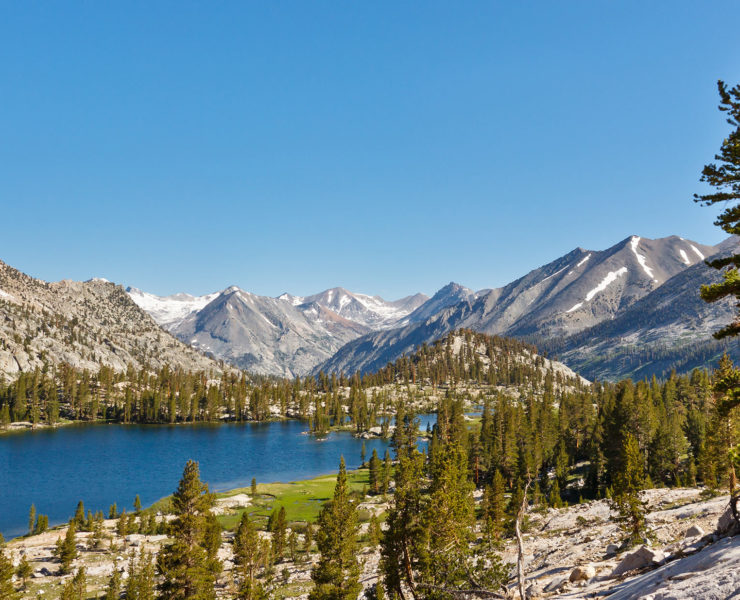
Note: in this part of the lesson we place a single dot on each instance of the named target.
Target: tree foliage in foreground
(628, 484)
(430, 549)
(724, 177)
(189, 564)
(336, 576)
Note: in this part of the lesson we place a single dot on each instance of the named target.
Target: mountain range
(588, 307)
(284, 336)
(630, 310)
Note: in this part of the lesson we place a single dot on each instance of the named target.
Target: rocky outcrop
(641, 558)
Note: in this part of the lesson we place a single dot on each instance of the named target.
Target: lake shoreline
(57, 467)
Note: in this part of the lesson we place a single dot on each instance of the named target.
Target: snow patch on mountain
(369, 311)
(582, 261)
(294, 300)
(641, 258)
(685, 258)
(610, 277)
(169, 310)
(574, 307)
(695, 249)
(555, 273)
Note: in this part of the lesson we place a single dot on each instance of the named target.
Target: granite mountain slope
(284, 336)
(266, 335)
(668, 328)
(572, 294)
(86, 324)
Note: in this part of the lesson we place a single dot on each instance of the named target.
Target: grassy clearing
(302, 499)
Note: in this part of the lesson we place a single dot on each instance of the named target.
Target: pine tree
(137, 504)
(494, 512)
(66, 549)
(141, 583)
(122, 526)
(387, 472)
(293, 545)
(404, 518)
(725, 178)
(147, 578)
(375, 533)
(555, 500)
(212, 537)
(278, 535)
(42, 524)
(189, 573)
(113, 591)
(31, 519)
(98, 533)
(627, 486)
(79, 517)
(253, 489)
(248, 559)
(308, 538)
(76, 588)
(7, 589)
(445, 555)
(24, 570)
(132, 581)
(336, 576)
(374, 472)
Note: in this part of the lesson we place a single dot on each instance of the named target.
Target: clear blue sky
(387, 147)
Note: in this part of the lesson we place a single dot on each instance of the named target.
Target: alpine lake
(102, 464)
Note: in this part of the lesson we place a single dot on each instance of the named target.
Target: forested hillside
(464, 362)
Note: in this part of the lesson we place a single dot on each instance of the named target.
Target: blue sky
(387, 147)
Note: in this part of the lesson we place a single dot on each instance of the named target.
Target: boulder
(534, 590)
(135, 539)
(556, 584)
(694, 531)
(582, 574)
(612, 550)
(639, 559)
(726, 523)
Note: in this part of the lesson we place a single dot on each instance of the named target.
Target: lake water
(102, 464)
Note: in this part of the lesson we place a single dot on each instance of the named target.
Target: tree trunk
(520, 541)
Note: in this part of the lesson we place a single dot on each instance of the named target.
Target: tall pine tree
(189, 572)
(336, 576)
